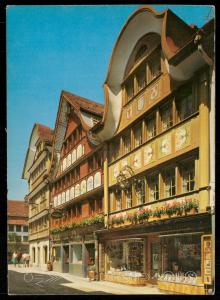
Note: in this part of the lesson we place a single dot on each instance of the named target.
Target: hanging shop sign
(207, 258)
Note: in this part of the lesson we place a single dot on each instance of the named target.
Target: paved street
(36, 281)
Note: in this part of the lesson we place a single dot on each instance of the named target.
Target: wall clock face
(154, 92)
(165, 146)
(137, 160)
(148, 154)
(140, 103)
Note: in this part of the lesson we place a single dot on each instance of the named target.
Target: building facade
(35, 171)
(76, 177)
(157, 200)
(17, 227)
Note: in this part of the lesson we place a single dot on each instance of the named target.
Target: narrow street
(40, 284)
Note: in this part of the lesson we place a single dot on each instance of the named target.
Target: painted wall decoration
(90, 183)
(140, 103)
(137, 161)
(63, 197)
(83, 187)
(129, 112)
(97, 180)
(148, 154)
(67, 195)
(154, 92)
(72, 192)
(182, 136)
(77, 190)
(73, 156)
(116, 171)
(79, 151)
(165, 145)
(124, 162)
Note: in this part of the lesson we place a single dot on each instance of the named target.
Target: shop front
(167, 254)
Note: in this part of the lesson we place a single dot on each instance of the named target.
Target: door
(38, 256)
(45, 255)
(155, 260)
(66, 259)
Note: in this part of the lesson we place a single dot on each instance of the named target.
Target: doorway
(45, 254)
(66, 259)
(38, 256)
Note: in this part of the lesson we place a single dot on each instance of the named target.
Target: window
(118, 199)
(140, 190)
(18, 238)
(10, 227)
(154, 66)
(128, 197)
(25, 228)
(90, 164)
(153, 183)
(166, 117)
(138, 135)
(77, 173)
(25, 238)
(92, 207)
(129, 87)
(115, 148)
(33, 254)
(78, 210)
(188, 177)
(141, 78)
(18, 228)
(185, 103)
(98, 160)
(127, 142)
(141, 52)
(99, 205)
(151, 126)
(111, 201)
(169, 182)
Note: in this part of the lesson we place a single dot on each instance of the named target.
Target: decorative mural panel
(77, 190)
(154, 92)
(97, 180)
(182, 137)
(67, 195)
(72, 192)
(116, 171)
(137, 160)
(83, 187)
(73, 156)
(79, 152)
(140, 103)
(129, 112)
(164, 145)
(90, 183)
(149, 153)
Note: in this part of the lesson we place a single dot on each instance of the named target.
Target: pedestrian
(15, 258)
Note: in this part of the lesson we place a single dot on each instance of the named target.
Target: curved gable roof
(41, 132)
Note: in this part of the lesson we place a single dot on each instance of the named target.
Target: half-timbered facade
(157, 200)
(77, 186)
(35, 171)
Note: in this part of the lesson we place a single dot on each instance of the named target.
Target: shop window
(153, 185)
(76, 254)
(137, 135)
(129, 88)
(118, 199)
(126, 142)
(154, 66)
(166, 117)
(18, 228)
(188, 176)
(184, 103)
(151, 126)
(169, 182)
(182, 254)
(141, 78)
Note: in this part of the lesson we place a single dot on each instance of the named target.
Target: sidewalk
(85, 285)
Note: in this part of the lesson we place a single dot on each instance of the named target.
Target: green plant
(158, 212)
(144, 214)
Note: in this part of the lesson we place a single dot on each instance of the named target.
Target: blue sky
(54, 48)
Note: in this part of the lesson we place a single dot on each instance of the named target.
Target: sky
(55, 48)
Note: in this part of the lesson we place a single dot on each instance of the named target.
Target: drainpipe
(210, 63)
